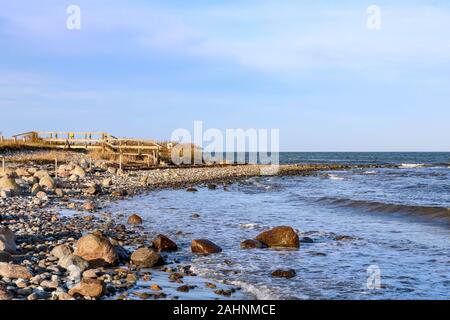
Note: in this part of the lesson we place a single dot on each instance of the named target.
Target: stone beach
(97, 254)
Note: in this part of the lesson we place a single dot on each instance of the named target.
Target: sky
(312, 69)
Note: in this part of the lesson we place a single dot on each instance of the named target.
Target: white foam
(335, 177)
(411, 165)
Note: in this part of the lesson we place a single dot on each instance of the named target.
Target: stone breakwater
(98, 254)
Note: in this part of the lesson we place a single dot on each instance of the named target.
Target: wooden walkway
(93, 141)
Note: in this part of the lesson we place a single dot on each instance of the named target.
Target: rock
(36, 188)
(288, 274)
(59, 193)
(41, 173)
(4, 294)
(97, 250)
(90, 274)
(61, 251)
(79, 172)
(203, 246)
(306, 240)
(163, 244)
(74, 178)
(145, 258)
(112, 170)
(280, 237)
(7, 240)
(212, 186)
(5, 194)
(42, 195)
(47, 182)
(73, 260)
(191, 189)
(9, 184)
(107, 182)
(89, 206)
(64, 296)
(13, 271)
(252, 244)
(195, 216)
(155, 287)
(88, 288)
(134, 219)
(183, 288)
(49, 284)
(5, 256)
(22, 172)
(93, 190)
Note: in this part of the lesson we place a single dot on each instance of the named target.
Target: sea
(378, 233)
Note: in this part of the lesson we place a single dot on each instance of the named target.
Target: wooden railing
(93, 140)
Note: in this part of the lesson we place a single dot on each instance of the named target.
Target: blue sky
(310, 68)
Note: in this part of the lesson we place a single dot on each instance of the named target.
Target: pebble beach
(57, 242)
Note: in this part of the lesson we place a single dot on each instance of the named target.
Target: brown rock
(89, 206)
(61, 251)
(4, 294)
(14, 271)
(88, 288)
(203, 246)
(97, 250)
(145, 258)
(288, 274)
(9, 184)
(164, 244)
(134, 219)
(47, 181)
(7, 240)
(280, 237)
(252, 244)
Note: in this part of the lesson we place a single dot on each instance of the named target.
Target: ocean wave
(441, 213)
(333, 176)
(411, 165)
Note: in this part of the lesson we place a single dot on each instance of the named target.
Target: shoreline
(35, 219)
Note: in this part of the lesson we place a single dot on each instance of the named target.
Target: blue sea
(395, 220)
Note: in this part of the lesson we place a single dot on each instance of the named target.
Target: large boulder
(14, 271)
(164, 244)
(9, 184)
(7, 240)
(93, 288)
(145, 258)
(280, 237)
(203, 246)
(97, 250)
(47, 182)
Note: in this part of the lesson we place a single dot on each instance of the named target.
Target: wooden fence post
(56, 168)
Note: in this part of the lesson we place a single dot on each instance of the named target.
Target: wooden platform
(92, 141)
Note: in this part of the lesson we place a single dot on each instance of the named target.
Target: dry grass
(42, 157)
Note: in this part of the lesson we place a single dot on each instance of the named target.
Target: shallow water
(411, 247)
